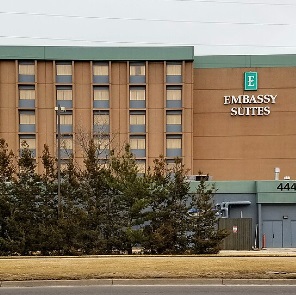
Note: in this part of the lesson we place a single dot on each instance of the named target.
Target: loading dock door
(273, 231)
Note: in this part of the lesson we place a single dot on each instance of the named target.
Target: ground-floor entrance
(279, 233)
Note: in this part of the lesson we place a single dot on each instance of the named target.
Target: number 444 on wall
(288, 186)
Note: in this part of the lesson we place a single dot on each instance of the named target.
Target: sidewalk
(261, 252)
(145, 282)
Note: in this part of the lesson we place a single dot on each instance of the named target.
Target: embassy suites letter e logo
(251, 80)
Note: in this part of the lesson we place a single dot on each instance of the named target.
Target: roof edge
(97, 53)
(244, 61)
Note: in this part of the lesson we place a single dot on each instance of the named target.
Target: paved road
(151, 290)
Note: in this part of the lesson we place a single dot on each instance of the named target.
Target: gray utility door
(273, 231)
(293, 232)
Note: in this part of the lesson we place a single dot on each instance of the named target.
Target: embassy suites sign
(261, 101)
(250, 105)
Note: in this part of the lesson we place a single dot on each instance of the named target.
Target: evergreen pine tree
(7, 171)
(166, 227)
(206, 237)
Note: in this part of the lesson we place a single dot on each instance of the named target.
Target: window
(174, 118)
(26, 71)
(30, 141)
(64, 96)
(137, 73)
(174, 73)
(102, 144)
(67, 143)
(174, 143)
(174, 146)
(173, 97)
(64, 72)
(101, 122)
(174, 121)
(101, 97)
(27, 68)
(66, 147)
(26, 96)
(101, 73)
(101, 118)
(137, 69)
(137, 93)
(141, 164)
(27, 117)
(66, 122)
(27, 93)
(137, 143)
(101, 93)
(138, 146)
(137, 121)
(64, 69)
(137, 97)
(66, 119)
(174, 69)
(100, 69)
(174, 94)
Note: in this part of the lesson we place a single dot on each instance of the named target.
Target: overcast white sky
(212, 26)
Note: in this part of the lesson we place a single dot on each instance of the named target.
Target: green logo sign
(251, 80)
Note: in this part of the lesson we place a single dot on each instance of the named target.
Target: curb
(142, 282)
(55, 283)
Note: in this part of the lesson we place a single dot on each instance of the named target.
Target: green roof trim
(244, 61)
(228, 187)
(174, 53)
(276, 198)
(267, 191)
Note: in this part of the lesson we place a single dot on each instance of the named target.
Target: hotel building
(161, 100)
(229, 116)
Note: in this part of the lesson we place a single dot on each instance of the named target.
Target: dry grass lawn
(146, 267)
